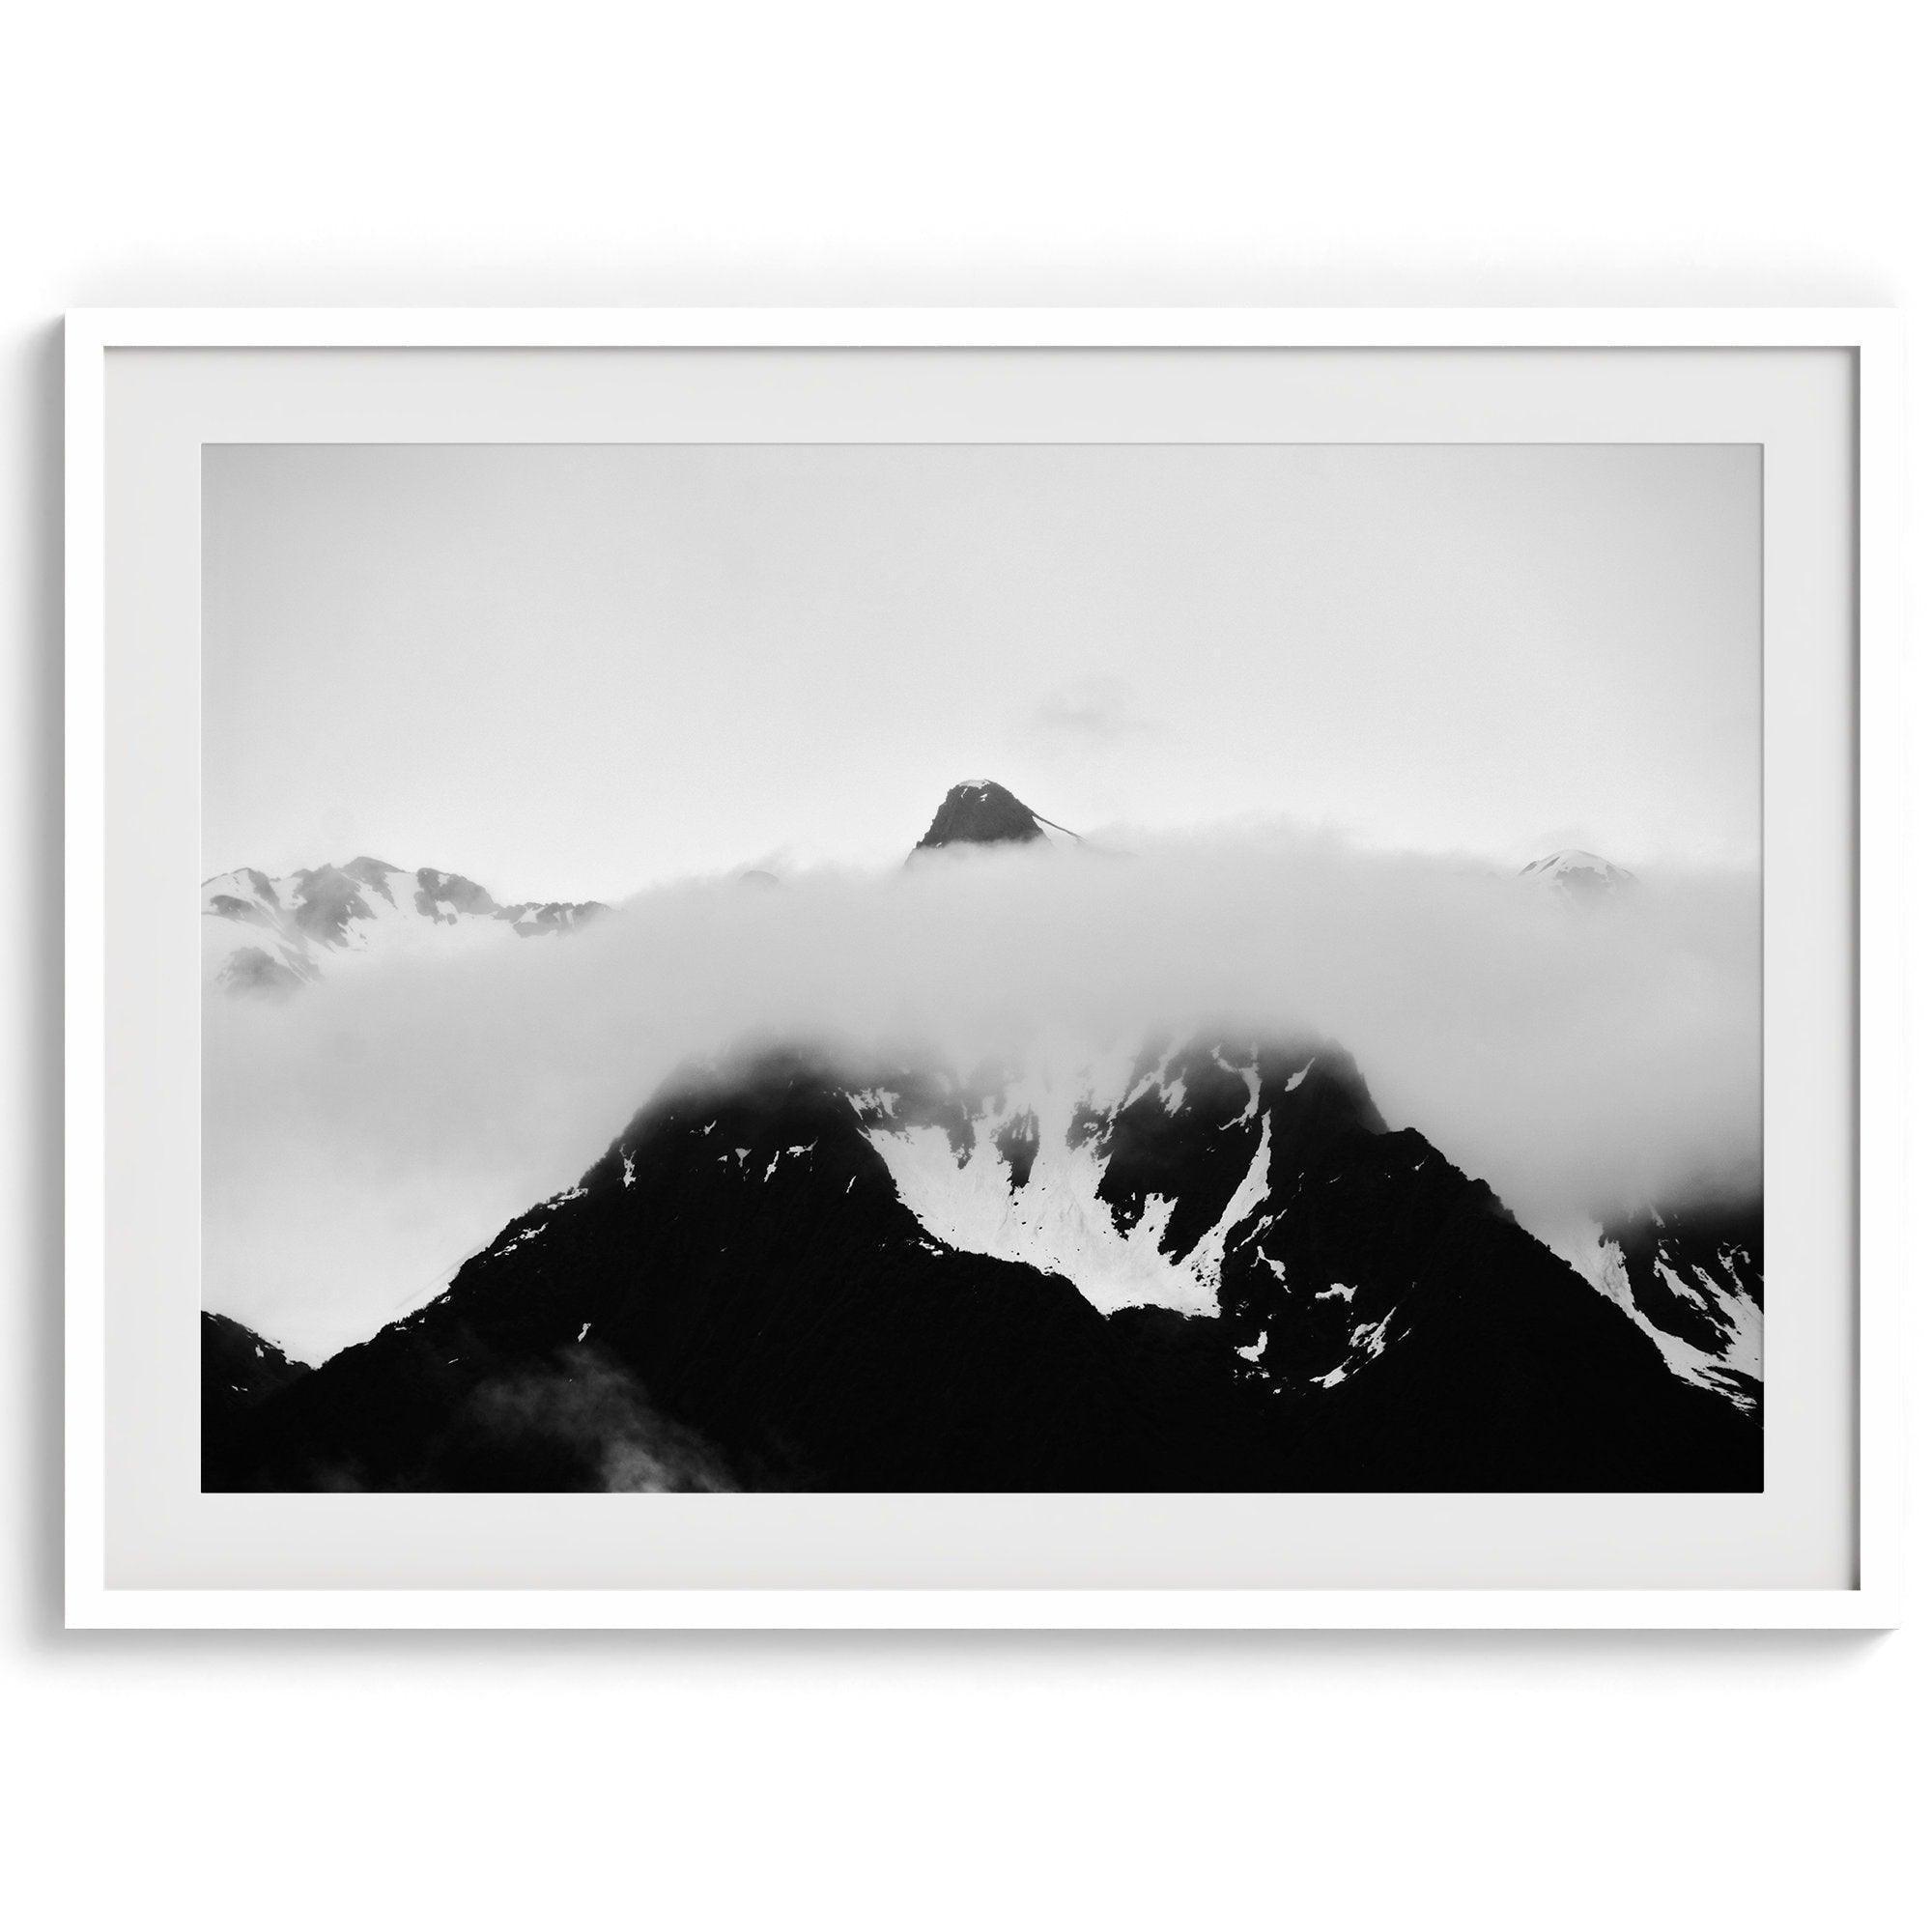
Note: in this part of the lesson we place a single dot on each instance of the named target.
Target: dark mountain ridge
(741, 1267)
(239, 1369)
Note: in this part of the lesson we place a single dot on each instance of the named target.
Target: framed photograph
(993, 969)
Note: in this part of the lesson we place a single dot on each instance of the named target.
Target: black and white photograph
(957, 968)
(968, 966)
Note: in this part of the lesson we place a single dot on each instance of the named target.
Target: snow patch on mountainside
(1738, 1317)
(1056, 1220)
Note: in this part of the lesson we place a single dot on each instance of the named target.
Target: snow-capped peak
(264, 935)
(1580, 877)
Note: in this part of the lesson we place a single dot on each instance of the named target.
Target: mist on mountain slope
(361, 1140)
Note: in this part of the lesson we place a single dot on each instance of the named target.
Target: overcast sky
(572, 672)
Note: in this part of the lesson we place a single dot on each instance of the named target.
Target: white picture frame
(1873, 1600)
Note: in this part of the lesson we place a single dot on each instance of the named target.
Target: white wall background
(1684, 153)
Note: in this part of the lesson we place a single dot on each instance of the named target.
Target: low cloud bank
(363, 1138)
(585, 1407)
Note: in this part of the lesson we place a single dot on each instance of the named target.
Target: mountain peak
(978, 811)
(1579, 875)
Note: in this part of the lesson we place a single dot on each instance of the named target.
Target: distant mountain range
(1201, 1263)
(273, 936)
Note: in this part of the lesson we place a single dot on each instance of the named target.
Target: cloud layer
(362, 1139)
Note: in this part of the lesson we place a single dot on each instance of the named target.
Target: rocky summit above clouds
(1193, 1263)
(264, 936)
(981, 812)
